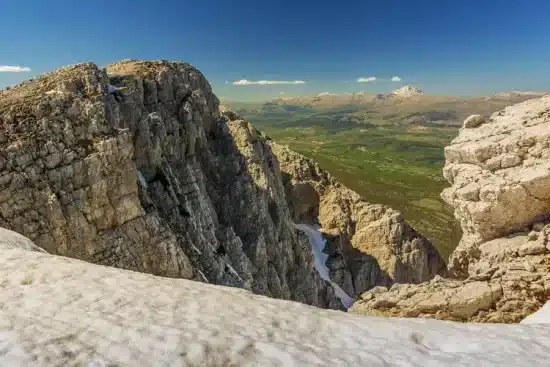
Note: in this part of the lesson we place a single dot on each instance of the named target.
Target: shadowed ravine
(318, 244)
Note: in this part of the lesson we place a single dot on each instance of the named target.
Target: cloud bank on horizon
(267, 82)
(366, 80)
(369, 79)
(14, 69)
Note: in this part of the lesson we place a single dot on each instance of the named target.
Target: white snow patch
(195, 248)
(232, 271)
(187, 323)
(111, 88)
(318, 243)
(203, 276)
(12, 350)
(96, 363)
(542, 316)
(142, 180)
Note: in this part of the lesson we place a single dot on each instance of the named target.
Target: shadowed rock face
(159, 182)
(369, 244)
(500, 175)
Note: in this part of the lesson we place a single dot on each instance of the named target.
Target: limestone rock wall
(500, 176)
(369, 244)
(161, 182)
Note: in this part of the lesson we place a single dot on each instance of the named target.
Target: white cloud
(366, 80)
(13, 69)
(266, 82)
(395, 79)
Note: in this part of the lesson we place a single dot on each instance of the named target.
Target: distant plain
(389, 150)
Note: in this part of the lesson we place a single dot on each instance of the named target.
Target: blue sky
(461, 47)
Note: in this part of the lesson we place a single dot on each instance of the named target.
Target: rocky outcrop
(500, 174)
(160, 182)
(58, 311)
(510, 281)
(369, 244)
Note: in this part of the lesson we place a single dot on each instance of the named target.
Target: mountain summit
(407, 91)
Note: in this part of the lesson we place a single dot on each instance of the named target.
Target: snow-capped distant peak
(407, 91)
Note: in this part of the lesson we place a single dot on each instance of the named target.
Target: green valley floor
(400, 166)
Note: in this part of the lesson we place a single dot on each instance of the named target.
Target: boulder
(473, 121)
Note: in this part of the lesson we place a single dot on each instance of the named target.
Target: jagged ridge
(159, 183)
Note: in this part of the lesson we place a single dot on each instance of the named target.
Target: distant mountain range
(406, 105)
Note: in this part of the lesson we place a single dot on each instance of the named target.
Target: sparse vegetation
(385, 165)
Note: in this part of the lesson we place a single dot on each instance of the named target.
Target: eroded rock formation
(161, 182)
(499, 170)
(369, 244)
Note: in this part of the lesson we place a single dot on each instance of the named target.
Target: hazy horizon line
(314, 94)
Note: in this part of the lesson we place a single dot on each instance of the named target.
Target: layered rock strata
(157, 182)
(499, 170)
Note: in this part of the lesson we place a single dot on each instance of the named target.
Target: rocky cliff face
(162, 183)
(369, 244)
(499, 170)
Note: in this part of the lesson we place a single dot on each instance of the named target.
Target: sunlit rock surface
(499, 170)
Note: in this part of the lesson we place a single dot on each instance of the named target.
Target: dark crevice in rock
(160, 177)
(220, 250)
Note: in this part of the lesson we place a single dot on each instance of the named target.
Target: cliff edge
(159, 181)
(499, 170)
